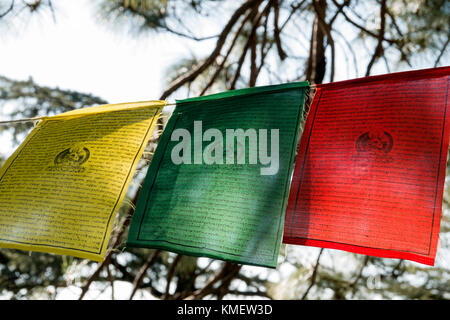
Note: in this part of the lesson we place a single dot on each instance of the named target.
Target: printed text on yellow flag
(61, 188)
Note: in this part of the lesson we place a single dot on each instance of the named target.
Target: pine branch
(444, 47)
(228, 271)
(326, 27)
(281, 53)
(255, 26)
(170, 274)
(11, 7)
(379, 48)
(313, 276)
(141, 274)
(194, 73)
(358, 277)
(230, 49)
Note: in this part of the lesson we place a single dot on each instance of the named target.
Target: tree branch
(313, 276)
(340, 7)
(111, 280)
(253, 68)
(250, 293)
(247, 45)
(349, 47)
(141, 274)
(294, 8)
(196, 274)
(170, 274)
(230, 49)
(194, 73)
(360, 27)
(327, 29)
(224, 288)
(379, 48)
(11, 7)
(442, 52)
(358, 277)
(229, 270)
(115, 242)
(281, 53)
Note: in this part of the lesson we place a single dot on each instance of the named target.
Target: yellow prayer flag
(60, 190)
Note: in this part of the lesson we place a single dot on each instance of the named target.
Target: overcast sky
(83, 53)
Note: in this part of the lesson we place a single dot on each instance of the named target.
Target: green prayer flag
(218, 183)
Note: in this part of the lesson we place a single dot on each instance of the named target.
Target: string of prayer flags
(60, 190)
(218, 183)
(370, 170)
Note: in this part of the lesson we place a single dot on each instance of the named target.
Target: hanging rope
(309, 96)
(21, 120)
(7, 122)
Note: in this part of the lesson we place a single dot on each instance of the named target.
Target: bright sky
(81, 53)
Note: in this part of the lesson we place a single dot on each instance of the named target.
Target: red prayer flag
(370, 169)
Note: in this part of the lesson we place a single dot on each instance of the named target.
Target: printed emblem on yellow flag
(61, 188)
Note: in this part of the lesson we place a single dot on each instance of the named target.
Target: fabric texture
(227, 210)
(370, 170)
(60, 190)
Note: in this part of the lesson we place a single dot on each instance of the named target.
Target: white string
(21, 120)
(6, 122)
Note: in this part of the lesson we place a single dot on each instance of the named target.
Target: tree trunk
(315, 70)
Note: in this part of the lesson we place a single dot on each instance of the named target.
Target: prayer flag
(370, 170)
(61, 188)
(218, 183)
